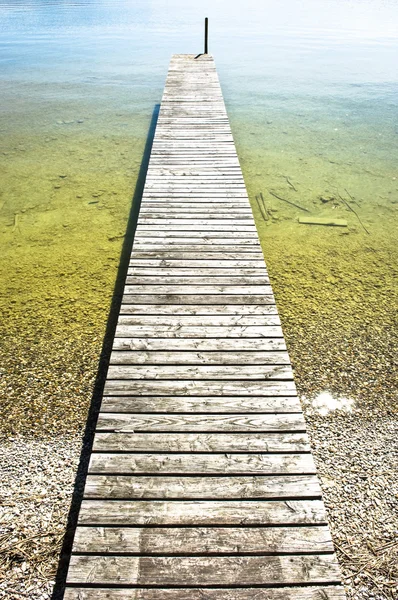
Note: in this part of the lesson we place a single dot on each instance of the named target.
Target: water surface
(311, 90)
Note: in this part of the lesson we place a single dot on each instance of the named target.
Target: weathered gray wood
(194, 273)
(199, 237)
(201, 442)
(203, 309)
(204, 540)
(205, 255)
(197, 263)
(197, 250)
(196, 299)
(147, 218)
(198, 289)
(200, 404)
(202, 512)
(245, 570)
(198, 358)
(199, 344)
(196, 279)
(330, 592)
(209, 464)
(186, 331)
(201, 320)
(194, 387)
(180, 241)
(205, 372)
(206, 423)
(199, 487)
(200, 428)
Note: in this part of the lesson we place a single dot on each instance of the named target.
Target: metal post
(206, 35)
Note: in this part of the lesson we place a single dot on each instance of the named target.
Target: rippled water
(311, 88)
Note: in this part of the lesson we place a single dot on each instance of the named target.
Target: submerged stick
(16, 222)
(290, 183)
(261, 208)
(267, 212)
(288, 201)
(348, 194)
(352, 210)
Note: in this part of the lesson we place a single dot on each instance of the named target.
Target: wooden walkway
(201, 482)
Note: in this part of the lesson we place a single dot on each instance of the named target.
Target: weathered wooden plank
(202, 372)
(198, 263)
(162, 209)
(206, 254)
(314, 592)
(186, 331)
(209, 217)
(198, 289)
(199, 238)
(202, 309)
(195, 196)
(198, 387)
(199, 235)
(199, 487)
(201, 320)
(209, 464)
(202, 512)
(245, 570)
(198, 243)
(127, 357)
(137, 271)
(204, 540)
(196, 299)
(201, 442)
(220, 175)
(199, 344)
(126, 423)
(163, 225)
(227, 252)
(198, 249)
(196, 279)
(206, 212)
(200, 404)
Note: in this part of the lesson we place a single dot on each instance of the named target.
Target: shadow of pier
(96, 399)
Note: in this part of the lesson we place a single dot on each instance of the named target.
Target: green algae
(67, 188)
(336, 289)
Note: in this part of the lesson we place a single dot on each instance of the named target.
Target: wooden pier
(201, 483)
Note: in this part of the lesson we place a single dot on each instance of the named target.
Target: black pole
(206, 34)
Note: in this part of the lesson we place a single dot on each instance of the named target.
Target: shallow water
(312, 93)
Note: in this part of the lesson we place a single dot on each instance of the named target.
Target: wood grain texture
(200, 321)
(201, 404)
(203, 571)
(220, 299)
(203, 372)
(209, 464)
(201, 487)
(196, 387)
(131, 357)
(199, 344)
(330, 592)
(201, 442)
(206, 423)
(203, 540)
(202, 513)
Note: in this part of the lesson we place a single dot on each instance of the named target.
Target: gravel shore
(36, 488)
